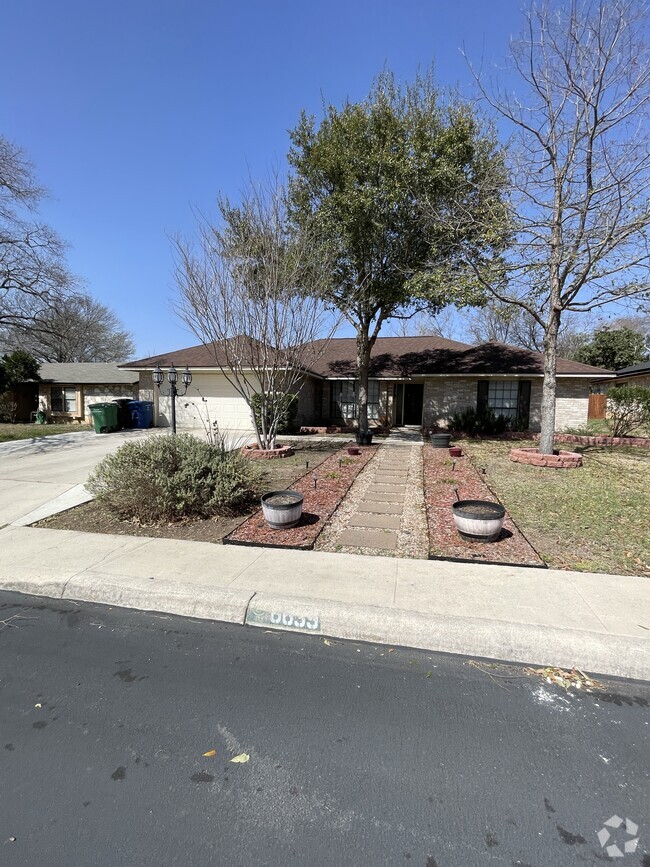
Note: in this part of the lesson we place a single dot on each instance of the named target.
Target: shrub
(8, 407)
(167, 478)
(628, 407)
(284, 407)
(479, 422)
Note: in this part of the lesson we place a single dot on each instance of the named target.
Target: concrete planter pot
(282, 509)
(478, 520)
(440, 440)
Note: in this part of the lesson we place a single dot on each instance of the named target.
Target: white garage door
(223, 404)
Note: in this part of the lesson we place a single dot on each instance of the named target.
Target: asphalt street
(357, 755)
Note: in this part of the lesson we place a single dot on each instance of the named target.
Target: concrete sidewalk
(599, 623)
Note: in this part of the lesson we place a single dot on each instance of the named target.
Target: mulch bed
(441, 475)
(322, 489)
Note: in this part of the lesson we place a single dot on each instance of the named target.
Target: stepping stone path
(377, 520)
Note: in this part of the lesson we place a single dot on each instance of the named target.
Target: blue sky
(134, 112)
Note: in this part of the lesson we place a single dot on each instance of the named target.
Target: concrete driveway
(33, 472)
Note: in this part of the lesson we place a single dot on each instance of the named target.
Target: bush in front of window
(479, 422)
(169, 478)
(283, 407)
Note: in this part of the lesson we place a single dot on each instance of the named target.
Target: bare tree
(249, 289)
(32, 256)
(580, 169)
(508, 323)
(78, 328)
(426, 324)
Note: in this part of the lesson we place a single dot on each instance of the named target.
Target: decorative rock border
(256, 453)
(558, 460)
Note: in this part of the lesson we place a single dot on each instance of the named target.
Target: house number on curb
(284, 619)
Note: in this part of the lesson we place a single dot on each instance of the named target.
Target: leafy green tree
(614, 349)
(17, 367)
(392, 186)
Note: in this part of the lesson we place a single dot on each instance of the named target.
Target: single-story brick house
(636, 374)
(66, 390)
(413, 381)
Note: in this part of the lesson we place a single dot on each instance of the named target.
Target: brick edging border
(560, 460)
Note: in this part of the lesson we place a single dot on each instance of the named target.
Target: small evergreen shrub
(168, 478)
(479, 422)
(628, 408)
(284, 407)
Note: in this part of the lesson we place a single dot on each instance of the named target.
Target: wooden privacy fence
(597, 406)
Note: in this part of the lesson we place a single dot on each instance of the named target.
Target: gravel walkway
(384, 512)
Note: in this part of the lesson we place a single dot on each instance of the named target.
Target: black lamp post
(172, 391)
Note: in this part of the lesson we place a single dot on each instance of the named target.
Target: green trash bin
(104, 417)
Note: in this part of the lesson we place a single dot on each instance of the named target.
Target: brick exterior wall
(146, 386)
(642, 380)
(309, 402)
(105, 394)
(571, 403)
(86, 395)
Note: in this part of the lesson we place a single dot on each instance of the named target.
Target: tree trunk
(547, 434)
(363, 366)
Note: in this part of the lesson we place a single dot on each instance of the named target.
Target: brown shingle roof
(193, 356)
(418, 356)
(404, 357)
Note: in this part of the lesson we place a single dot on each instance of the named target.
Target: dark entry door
(413, 401)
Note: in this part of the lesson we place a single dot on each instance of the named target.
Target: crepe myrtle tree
(363, 176)
(242, 290)
(579, 167)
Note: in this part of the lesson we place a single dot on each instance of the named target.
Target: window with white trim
(344, 400)
(63, 398)
(503, 396)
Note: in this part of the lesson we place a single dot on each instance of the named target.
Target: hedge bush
(168, 478)
(284, 405)
(479, 422)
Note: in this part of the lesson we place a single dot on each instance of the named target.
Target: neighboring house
(66, 390)
(413, 381)
(636, 374)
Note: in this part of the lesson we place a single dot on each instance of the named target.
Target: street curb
(202, 601)
(599, 653)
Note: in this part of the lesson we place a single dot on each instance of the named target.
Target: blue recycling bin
(141, 413)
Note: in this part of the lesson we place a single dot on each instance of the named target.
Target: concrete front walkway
(379, 514)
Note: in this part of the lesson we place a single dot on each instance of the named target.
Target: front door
(413, 402)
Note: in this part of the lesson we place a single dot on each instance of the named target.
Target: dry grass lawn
(9, 432)
(596, 518)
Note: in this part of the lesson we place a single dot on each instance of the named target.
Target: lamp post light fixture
(172, 378)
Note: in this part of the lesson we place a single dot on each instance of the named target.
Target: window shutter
(523, 404)
(482, 394)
